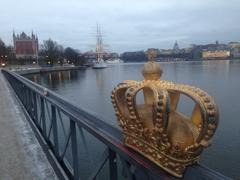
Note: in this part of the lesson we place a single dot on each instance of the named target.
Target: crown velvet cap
(155, 128)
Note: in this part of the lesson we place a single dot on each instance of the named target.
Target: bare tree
(52, 52)
(3, 49)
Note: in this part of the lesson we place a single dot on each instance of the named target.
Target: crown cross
(155, 128)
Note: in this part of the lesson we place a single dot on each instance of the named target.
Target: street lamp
(3, 64)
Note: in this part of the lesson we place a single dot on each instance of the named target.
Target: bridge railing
(80, 145)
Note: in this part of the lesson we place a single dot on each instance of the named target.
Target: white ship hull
(99, 64)
(114, 61)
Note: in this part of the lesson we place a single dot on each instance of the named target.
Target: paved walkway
(21, 156)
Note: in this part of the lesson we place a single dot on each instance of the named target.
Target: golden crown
(155, 128)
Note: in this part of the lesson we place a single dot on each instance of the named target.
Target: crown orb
(152, 70)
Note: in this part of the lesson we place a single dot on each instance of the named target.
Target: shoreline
(25, 70)
(173, 62)
(36, 70)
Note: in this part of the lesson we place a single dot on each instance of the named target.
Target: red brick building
(25, 47)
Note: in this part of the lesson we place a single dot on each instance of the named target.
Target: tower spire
(176, 47)
(14, 36)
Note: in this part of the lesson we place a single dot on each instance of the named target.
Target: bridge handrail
(34, 98)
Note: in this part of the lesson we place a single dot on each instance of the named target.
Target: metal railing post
(113, 165)
(43, 117)
(35, 111)
(55, 129)
(74, 150)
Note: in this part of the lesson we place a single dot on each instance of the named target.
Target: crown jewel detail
(155, 128)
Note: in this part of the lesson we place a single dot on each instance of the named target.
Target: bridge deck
(21, 155)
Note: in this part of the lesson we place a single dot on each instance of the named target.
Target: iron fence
(80, 145)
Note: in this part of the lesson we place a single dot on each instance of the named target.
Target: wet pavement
(21, 156)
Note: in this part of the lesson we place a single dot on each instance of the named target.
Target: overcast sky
(126, 25)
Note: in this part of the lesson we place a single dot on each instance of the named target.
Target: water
(91, 89)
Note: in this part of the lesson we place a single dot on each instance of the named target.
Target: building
(235, 49)
(25, 47)
(233, 45)
(236, 52)
(165, 51)
(215, 54)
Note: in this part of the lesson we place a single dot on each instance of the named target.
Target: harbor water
(91, 89)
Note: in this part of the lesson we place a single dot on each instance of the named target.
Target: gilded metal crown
(155, 128)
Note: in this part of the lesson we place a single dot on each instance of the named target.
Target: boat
(114, 61)
(99, 63)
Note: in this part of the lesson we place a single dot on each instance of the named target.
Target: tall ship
(99, 63)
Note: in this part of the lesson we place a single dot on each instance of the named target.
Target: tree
(3, 52)
(137, 56)
(52, 52)
(71, 55)
(74, 56)
(3, 49)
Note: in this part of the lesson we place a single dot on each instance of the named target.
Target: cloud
(126, 24)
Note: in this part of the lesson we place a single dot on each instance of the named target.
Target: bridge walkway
(21, 156)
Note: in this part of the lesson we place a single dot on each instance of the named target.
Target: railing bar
(66, 145)
(35, 111)
(27, 101)
(127, 167)
(43, 117)
(40, 119)
(39, 115)
(100, 165)
(32, 109)
(49, 132)
(112, 165)
(85, 145)
(74, 150)
(48, 113)
(30, 104)
(24, 96)
(55, 130)
(61, 121)
(51, 122)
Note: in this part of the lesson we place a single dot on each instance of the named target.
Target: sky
(126, 25)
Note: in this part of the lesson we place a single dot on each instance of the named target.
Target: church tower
(176, 48)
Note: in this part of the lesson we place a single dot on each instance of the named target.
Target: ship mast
(99, 45)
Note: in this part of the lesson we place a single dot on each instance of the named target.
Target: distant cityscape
(214, 51)
(26, 50)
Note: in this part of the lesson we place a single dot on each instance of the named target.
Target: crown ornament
(155, 128)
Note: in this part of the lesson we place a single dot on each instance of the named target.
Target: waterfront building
(236, 52)
(215, 54)
(25, 47)
(235, 49)
(233, 45)
(166, 51)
